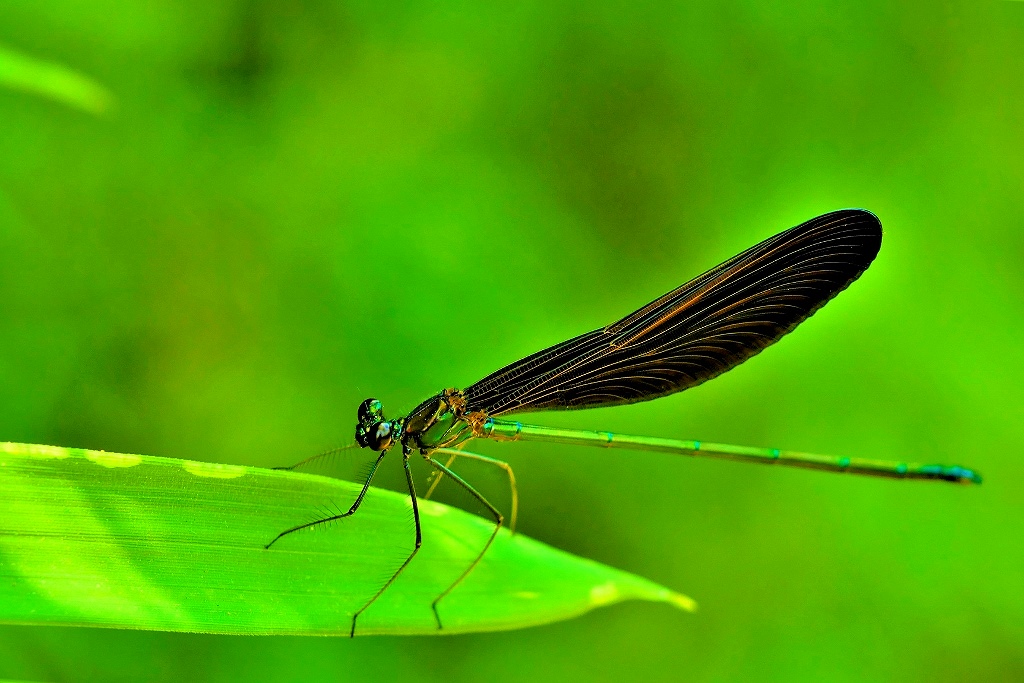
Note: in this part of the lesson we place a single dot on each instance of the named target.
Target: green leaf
(130, 541)
(56, 82)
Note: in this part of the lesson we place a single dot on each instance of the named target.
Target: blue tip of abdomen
(955, 473)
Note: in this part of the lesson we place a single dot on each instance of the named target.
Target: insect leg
(350, 511)
(316, 458)
(497, 463)
(438, 475)
(498, 519)
(419, 541)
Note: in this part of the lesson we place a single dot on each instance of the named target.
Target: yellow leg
(490, 461)
(436, 476)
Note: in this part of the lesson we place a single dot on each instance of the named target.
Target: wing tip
(864, 217)
(865, 220)
(868, 215)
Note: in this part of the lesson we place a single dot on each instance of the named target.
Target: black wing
(696, 332)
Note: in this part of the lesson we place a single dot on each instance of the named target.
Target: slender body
(688, 336)
(516, 431)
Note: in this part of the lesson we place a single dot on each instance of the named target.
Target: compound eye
(370, 410)
(381, 436)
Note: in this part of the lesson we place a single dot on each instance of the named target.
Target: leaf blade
(129, 541)
(53, 81)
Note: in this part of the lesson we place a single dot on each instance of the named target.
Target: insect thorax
(438, 422)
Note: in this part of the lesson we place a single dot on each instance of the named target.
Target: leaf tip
(683, 602)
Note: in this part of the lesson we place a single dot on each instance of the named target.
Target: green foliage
(302, 204)
(46, 79)
(90, 538)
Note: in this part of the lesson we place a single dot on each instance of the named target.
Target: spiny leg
(438, 475)
(498, 519)
(352, 509)
(419, 541)
(318, 456)
(497, 463)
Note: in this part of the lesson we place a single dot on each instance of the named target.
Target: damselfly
(686, 337)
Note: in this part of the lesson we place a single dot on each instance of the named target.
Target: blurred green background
(294, 206)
